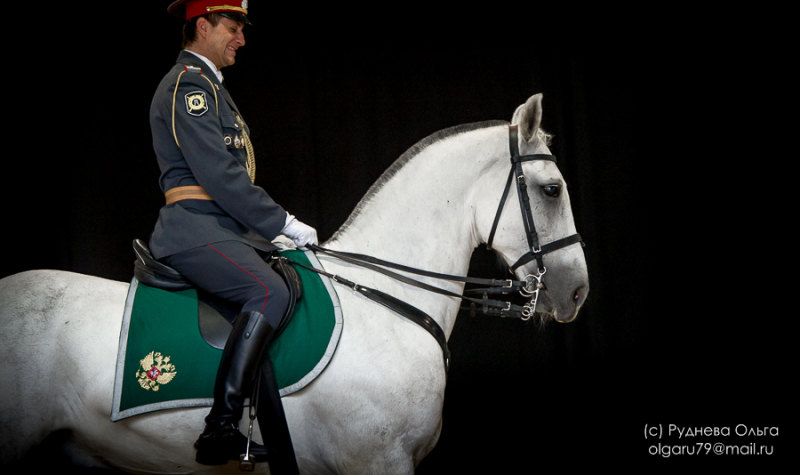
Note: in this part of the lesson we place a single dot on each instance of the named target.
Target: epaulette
(192, 69)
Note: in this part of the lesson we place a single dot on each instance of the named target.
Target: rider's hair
(190, 28)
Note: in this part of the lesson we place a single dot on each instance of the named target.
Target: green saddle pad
(163, 361)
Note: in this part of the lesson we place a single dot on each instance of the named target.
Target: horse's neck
(423, 215)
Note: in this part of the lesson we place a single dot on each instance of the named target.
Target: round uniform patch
(196, 103)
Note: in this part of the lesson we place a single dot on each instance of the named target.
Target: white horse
(377, 408)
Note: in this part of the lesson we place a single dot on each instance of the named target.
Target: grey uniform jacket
(198, 138)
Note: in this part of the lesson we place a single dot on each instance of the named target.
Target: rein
(529, 287)
(403, 308)
(495, 285)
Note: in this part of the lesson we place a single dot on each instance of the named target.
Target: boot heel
(211, 450)
(206, 458)
(225, 445)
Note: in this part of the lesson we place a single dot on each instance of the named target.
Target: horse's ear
(529, 117)
(517, 113)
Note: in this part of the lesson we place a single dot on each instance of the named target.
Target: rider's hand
(299, 232)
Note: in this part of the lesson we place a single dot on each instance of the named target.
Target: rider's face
(220, 42)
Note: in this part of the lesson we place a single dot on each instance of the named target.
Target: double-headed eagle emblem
(155, 371)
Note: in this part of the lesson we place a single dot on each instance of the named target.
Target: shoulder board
(192, 69)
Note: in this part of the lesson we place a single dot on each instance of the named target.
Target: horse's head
(541, 243)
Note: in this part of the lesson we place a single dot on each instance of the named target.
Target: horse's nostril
(579, 294)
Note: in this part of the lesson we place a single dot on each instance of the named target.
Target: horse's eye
(551, 190)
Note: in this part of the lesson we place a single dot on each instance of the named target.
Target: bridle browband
(529, 287)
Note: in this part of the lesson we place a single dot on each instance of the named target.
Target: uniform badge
(196, 104)
(156, 370)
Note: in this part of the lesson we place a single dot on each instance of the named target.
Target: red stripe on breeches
(235, 272)
(266, 290)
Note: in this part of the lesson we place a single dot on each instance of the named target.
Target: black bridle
(536, 251)
(529, 287)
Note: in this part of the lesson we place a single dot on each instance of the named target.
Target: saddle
(214, 315)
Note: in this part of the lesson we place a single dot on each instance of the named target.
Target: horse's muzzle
(578, 296)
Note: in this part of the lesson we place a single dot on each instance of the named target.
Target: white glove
(299, 232)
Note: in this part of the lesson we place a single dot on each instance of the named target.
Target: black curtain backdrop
(663, 150)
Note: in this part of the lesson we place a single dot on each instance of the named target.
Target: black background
(670, 152)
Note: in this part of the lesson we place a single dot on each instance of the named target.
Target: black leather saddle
(149, 271)
(215, 316)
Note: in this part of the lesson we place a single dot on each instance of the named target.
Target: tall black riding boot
(221, 440)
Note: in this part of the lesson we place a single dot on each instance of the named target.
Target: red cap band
(195, 8)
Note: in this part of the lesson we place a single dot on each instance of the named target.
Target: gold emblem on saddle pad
(156, 370)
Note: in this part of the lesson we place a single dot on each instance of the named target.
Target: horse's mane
(408, 155)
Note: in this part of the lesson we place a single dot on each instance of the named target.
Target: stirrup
(247, 462)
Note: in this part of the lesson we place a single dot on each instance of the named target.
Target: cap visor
(235, 16)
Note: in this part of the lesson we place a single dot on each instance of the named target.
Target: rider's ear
(529, 116)
(203, 25)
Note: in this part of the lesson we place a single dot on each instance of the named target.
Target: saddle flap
(295, 286)
(290, 276)
(213, 326)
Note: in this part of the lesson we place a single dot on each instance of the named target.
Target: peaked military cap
(187, 9)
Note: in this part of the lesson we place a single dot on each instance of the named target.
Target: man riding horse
(217, 225)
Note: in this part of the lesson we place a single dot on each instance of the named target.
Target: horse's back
(58, 337)
(39, 302)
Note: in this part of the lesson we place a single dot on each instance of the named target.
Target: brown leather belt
(186, 193)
